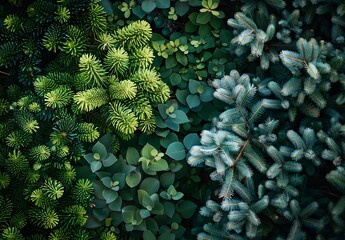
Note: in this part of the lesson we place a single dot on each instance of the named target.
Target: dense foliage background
(172, 119)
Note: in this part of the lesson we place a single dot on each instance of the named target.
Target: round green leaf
(100, 149)
(169, 209)
(93, 222)
(182, 95)
(144, 213)
(167, 179)
(201, 89)
(89, 157)
(190, 27)
(128, 213)
(203, 17)
(108, 222)
(174, 225)
(116, 205)
(148, 235)
(146, 151)
(160, 165)
(106, 181)
(170, 62)
(147, 202)
(110, 160)
(133, 179)
(193, 101)
(95, 166)
(158, 208)
(107, 6)
(191, 140)
(207, 95)
(175, 167)
(176, 151)
(205, 30)
(148, 5)
(163, 4)
(175, 79)
(180, 117)
(137, 10)
(141, 194)
(165, 142)
(181, 8)
(193, 86)
(165, 195)
(167, 235)
(194, 3)
(181, 58)
(216, 23)
(100, 213)
(120, 177)
(150, 185)
(177, 196)
(172, 125)
(187, 208)
(109, 195)
(132, 156)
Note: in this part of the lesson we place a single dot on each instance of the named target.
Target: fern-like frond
(27, 122)
(53, 189)
(45, 84)
(160, 93)
(142, 58)
(140, 106)
(92, 71)
(146, 79)
(135, 35)
(117, 61)
(73, 216)
(40, 199)
(148, 126)
(87, 132)
(4, 180)
(91, 99)
(97, 19)
(122, 118)
(52, 39)
(40, 153)
(45, 218)
(6, 208)
(16, 163)
(82, 192)
(12, 233)
(58, 98)
(106, 41)
(4, 106)
(125, 89)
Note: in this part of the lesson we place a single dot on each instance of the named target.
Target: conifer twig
(5, 73)
(244, 119)
(241, 151)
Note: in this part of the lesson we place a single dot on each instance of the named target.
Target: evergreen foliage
(262, 166)
(45, 126)
(269, 162)
(106, 88)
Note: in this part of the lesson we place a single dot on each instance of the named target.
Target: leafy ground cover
(179, 119)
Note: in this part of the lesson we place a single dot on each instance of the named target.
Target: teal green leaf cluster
(136, 192)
